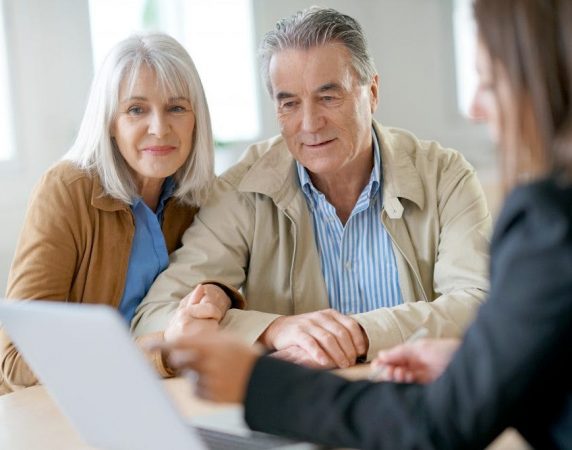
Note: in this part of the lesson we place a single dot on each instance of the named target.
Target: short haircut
(177, 76)
(314, 27)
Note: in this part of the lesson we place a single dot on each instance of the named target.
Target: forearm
(248, 325)
(359, 414)
(447, 316)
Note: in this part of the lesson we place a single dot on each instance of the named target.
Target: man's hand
(420, 361)
(221, 362)
(198, 312)
(327, 336)
(298, 355)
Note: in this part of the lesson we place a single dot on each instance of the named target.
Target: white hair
(177, 76)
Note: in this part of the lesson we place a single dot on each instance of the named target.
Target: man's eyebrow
(329, 87)
(283, 95)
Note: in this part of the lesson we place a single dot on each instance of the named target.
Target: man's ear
(374, 92)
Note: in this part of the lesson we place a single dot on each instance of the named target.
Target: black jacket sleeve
(512, 368)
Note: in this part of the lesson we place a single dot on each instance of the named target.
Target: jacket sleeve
(515, 353)
(43, 266)
(460, 266)
(215, 249)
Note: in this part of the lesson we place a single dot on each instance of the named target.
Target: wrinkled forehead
(314, 66)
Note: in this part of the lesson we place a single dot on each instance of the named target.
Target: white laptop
(88, 362)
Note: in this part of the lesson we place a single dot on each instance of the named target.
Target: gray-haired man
(343, 236)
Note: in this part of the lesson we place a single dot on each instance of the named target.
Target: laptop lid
(90, 365)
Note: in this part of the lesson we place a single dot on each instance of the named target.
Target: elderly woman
(102, 222)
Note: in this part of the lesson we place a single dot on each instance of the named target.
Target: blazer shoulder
(541, 210)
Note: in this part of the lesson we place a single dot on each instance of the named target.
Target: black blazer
(514, 367)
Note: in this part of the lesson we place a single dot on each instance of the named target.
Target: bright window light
(6, 138)
(465, 48)
(221, 45)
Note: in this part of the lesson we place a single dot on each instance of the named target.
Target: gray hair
(313, 27)
(177, 76)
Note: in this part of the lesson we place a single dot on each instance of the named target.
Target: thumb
(197, 295)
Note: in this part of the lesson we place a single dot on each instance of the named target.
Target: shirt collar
(167, 191)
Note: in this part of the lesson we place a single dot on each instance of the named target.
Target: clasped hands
(200, 311)
(320, 339)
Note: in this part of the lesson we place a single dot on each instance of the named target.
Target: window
(221, 45)
(6, 139)
(465, 47)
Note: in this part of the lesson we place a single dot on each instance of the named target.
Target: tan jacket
(74, 246)
(256, 233)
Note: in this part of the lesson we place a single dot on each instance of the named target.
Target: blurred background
(423, 51)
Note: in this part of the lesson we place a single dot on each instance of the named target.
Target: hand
(421, 361)
(298, 355)
(198, 312)
(222, 364)
(326, 336)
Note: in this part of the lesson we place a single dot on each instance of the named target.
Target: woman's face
(153, 133)
(492, 100)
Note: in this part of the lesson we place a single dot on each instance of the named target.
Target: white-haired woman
(102, 222)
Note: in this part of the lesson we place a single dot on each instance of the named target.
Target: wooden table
(29, 419)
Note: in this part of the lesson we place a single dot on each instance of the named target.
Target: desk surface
(29, 419)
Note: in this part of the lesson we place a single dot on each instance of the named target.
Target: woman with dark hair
(512, 368)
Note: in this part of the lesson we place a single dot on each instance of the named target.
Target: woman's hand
(221, 364)
(420, 361)
(200, 311)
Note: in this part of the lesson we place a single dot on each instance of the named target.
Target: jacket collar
(101, 200)
(274, 173)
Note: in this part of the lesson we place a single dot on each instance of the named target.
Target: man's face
(325, 115)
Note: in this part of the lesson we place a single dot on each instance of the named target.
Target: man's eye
(288, 105)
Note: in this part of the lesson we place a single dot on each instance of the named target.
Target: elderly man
(343, 236)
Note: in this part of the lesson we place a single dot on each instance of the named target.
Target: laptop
(86, 359)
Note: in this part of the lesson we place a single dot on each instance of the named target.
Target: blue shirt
(358, 263)
(149, 255)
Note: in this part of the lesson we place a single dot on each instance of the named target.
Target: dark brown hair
(530, 41)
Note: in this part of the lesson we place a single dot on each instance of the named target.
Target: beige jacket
(256, 234)
(74, 247)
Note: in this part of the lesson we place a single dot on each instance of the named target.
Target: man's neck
(343, 189)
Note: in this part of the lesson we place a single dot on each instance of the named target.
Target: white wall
(49, 51)
(50, 64)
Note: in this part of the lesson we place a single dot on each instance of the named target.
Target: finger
(204, 311)
(329, 345)
(400, 355)
(344, 337)
(182, 359)
(356, 332)
(313, 348)
(196, 296)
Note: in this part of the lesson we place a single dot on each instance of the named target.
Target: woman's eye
(135, 110)
(177, 109)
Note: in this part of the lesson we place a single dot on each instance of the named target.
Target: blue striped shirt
(149, 254)
(358, 263)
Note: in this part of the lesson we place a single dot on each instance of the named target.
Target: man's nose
(312, 118)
